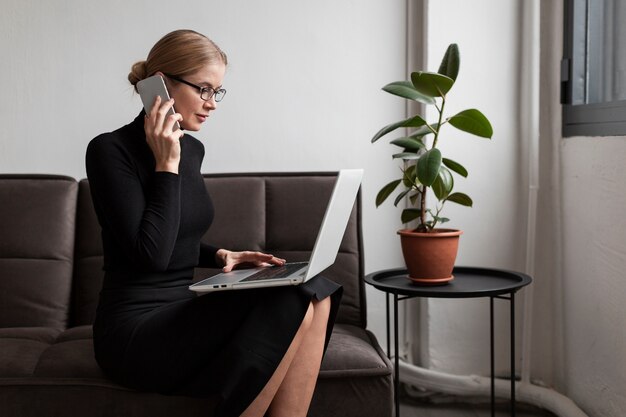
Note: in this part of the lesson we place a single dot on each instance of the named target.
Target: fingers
(158, 116)
(277, 261)
(234, 259)
(170, 120)
(264, 259)
(162, 135)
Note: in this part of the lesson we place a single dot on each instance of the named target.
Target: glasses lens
(206, 93)
(219, 94)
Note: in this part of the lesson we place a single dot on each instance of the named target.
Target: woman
(257, 351)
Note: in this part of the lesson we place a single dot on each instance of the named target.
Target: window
(593, 70)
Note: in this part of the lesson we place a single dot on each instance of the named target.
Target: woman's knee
(309, 316)
(316, 312)
(322, 308)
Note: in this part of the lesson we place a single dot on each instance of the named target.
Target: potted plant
(429, 247)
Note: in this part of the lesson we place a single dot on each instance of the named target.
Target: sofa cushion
(351, 353)
(40, 334)
(70, 356)
(37, 220)
(355, 379)
(19, 356)
(21, 348)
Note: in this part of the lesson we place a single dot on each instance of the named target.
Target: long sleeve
(152, 222)
(143, 222)
(207, 256)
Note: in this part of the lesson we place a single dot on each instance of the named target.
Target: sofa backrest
(37, 224)
(277, 213)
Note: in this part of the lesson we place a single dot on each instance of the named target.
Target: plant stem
(436, 217)
(422, 226)
(443, 104)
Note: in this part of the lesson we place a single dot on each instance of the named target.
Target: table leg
(512, 305)
(388, 328)
(396, 370)
(492, 359)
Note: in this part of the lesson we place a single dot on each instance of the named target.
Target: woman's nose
(210, 103)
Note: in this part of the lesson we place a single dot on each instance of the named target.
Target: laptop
(324, 252)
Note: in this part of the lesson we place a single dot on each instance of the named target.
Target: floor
(410, 407)
(465, 410)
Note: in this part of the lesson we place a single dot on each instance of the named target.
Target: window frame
(597, 119)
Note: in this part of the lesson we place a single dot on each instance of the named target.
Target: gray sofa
(50, 276)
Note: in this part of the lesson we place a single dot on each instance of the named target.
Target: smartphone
(151, 87)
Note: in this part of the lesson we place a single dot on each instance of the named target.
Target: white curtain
(547, 347)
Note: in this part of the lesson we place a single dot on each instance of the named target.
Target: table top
(468, 282)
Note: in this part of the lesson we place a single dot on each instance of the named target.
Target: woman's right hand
(230, 260)
(163, 140)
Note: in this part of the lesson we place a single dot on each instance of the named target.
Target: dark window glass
(594, 68)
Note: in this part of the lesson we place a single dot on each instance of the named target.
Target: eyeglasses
(205, 92)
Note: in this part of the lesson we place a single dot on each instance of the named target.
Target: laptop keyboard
(276, 271)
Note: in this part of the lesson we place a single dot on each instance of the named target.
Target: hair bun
(137, 73)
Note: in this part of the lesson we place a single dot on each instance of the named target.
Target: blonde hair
(178, 53)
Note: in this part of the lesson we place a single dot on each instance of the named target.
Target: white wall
(303, 88)
(594, 255)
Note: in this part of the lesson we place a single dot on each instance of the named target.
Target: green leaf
(401, 196)
(410, 214)
(451, 62)
(431, 84)
(428, 167)
(415, 121)
(472, 121)
(409, 143)
(424, 130)
(410, 176)
(406, 155)
(406, 90)
(439, 189)
(443, 184)
(460, 198)
(455, 166)
(386, 191)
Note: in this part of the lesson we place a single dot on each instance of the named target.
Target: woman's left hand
(230, 259)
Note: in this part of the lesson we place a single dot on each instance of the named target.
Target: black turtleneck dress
(151, 332)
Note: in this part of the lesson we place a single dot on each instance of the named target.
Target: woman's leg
(290, 389)
(259, 406)
(294, 395)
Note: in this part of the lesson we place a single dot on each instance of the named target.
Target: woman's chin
(191, 127)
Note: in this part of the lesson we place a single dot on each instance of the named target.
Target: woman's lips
(202, 117)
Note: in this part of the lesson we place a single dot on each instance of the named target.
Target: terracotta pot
(430, 257)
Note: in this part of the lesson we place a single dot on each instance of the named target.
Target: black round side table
(469, 282)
